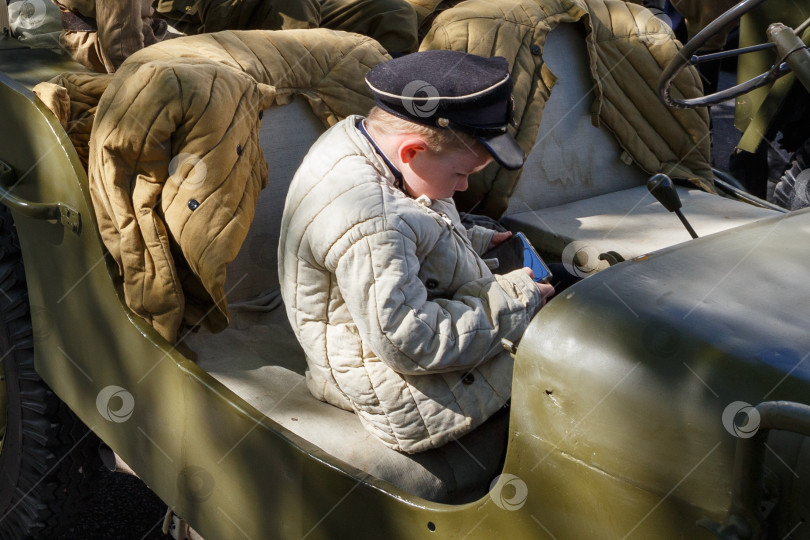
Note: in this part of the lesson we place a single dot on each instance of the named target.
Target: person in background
(393, 23)
(102, 34)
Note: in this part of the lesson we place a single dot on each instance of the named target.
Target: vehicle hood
(743, 291)
(633, 371)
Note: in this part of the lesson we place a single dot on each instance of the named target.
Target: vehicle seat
(579, 186)
(259, 358)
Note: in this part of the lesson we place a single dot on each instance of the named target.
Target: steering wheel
(686, 57)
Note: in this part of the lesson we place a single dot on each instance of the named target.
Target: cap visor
(506, 151)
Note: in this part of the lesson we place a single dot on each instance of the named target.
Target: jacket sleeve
(378, 278)
(480, 238)
(120, 30)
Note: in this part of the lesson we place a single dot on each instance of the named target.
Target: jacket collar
(399, 181)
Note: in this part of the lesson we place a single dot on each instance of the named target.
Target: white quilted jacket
(400, 318)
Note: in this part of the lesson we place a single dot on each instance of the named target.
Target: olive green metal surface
(31, 66)
(622, 382)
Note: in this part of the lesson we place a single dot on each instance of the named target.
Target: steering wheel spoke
(687, 57)
(727, 54)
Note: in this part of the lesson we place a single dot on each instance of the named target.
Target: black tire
(793, 189)
(48, 458)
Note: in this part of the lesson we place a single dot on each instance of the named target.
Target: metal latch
(61, 212)
(510, 346)
(70, 218)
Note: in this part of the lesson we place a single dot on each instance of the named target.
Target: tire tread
(784, 193)
(59, 459)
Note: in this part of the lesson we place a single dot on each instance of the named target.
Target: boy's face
(440, 175)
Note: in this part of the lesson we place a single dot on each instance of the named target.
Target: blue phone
(533, 260)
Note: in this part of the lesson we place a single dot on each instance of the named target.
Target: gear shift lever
(662, 188)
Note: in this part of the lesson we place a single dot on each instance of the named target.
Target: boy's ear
(410, 148)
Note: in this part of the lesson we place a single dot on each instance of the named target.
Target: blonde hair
(437, 139)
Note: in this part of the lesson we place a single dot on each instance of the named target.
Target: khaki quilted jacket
(175, 166)
(122, 27)
(628, 48)
(400, 318)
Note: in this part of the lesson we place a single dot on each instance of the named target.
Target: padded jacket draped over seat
(175, 166)
(628, 48)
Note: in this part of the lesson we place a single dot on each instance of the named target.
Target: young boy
(400, 318)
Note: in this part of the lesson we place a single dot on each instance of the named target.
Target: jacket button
(193, 204)
(468, 378)
(239, 149)
(536, 50)
(431, 283)
(261, 115)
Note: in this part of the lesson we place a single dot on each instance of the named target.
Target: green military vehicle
(665, 396)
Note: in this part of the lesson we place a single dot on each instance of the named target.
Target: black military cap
(452, 89)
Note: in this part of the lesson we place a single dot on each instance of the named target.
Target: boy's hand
(546, 290)
(499, 238)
